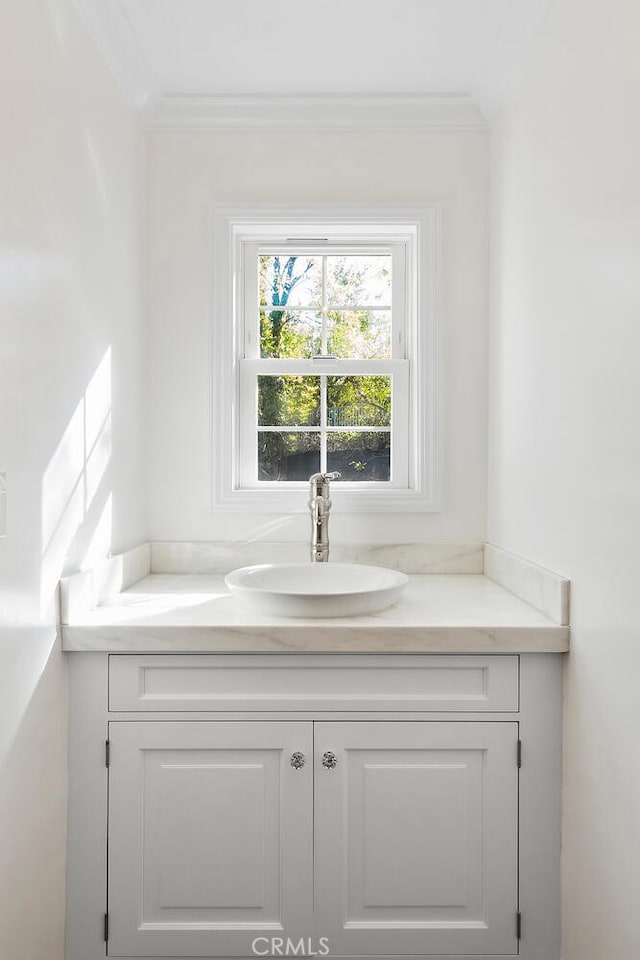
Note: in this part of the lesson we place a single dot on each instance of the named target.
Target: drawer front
(230, 683)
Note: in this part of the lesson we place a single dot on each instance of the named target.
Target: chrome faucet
(320, 506)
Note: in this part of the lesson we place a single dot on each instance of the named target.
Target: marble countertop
(194, 612)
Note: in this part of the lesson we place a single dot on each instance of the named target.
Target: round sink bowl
(315, 589)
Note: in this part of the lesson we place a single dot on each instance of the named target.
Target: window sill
(358, 498)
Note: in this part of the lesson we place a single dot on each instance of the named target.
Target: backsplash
(221, 557)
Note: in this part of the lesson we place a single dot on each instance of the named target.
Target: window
(322, 383)
(324, 350)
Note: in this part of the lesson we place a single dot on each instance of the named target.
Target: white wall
(565, 422)
(188, 172)
(71, 170)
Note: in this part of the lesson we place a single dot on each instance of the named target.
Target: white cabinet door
(416, 838)
(210, 837)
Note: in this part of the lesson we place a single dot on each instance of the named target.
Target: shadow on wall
(32, 793)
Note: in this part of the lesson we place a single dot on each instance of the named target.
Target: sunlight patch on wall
(100, 544)
(73, 479)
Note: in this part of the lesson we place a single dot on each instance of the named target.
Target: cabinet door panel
(416, 838)
(210, 837)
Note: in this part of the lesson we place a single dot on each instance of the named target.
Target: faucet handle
(319, 483)
(325, 477)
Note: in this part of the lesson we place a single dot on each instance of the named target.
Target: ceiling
(195, 59)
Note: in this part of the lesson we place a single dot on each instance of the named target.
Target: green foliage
(359, 401)
(288, 401)
(358, 333)
(288, 335)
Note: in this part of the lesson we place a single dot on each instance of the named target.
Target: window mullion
(323, 424)
(323, 379)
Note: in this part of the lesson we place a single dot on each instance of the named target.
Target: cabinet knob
(297, 760)
(329, 760)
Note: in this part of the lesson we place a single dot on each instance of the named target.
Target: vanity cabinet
(375, 805)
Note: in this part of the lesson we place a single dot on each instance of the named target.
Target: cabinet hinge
(518, 925)
(519, 753)
(107, 753)
(106, 927)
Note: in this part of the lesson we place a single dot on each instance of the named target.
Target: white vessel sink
(316, 589)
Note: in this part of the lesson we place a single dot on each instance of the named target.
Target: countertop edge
(314, 639)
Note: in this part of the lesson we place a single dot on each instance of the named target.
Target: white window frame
(413, 234)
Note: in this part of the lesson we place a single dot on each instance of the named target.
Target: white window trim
(419, 225)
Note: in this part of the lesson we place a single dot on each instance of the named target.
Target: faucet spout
(320, 506)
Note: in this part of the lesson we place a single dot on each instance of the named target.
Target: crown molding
(119, 45)
(337, 112)
(120, 48)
